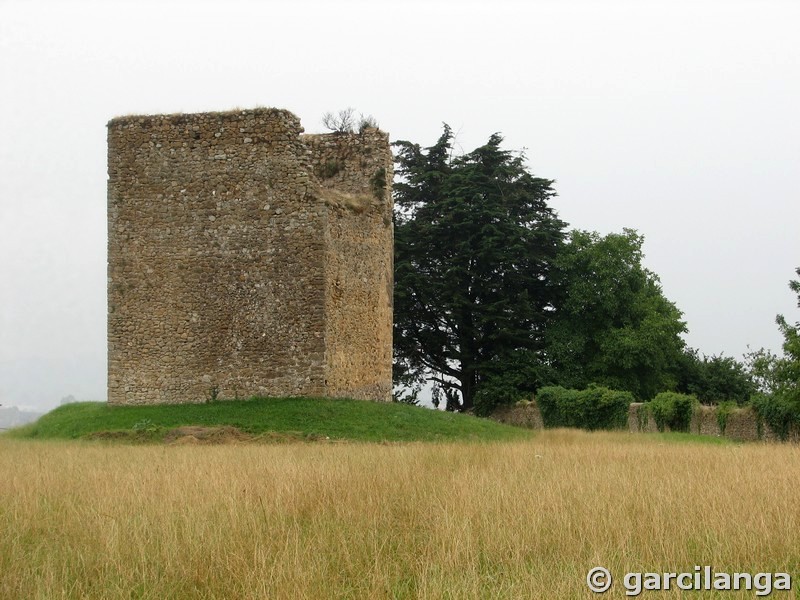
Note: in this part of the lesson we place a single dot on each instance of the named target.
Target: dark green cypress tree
(475, 243)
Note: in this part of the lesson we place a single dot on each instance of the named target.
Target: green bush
(610, 411)
(553, 402)
(778, 412)
(593, 408)
(673, 410)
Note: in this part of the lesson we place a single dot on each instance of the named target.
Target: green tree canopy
(789, 377)
(780, 375)
(613, 326)
(714, 379)
(475, 244)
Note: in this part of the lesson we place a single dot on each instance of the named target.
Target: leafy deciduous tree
(614, 326)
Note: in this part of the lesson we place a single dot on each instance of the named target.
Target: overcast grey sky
(676, 118)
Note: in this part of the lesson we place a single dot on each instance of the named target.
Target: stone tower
(247, 259)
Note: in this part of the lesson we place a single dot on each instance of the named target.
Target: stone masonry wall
(221, 249)
(742, 424)
(354, 171)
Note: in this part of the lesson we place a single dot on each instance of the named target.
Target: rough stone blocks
(245, 258)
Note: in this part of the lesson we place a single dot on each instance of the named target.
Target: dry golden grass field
(417, 520)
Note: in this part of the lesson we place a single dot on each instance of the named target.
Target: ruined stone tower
(247, 259)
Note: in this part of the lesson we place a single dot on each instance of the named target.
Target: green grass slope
(300, 417)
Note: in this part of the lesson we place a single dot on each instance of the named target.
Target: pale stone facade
(246, 259)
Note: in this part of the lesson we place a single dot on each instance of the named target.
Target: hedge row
(593, 408)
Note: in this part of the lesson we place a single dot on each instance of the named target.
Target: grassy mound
(297, 418)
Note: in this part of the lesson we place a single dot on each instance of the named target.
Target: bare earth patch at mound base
(196, 434)
(118, 436)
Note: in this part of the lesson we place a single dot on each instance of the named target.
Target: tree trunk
(467, 388)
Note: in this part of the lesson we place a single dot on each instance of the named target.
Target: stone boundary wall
(742, 423)
(526, 415)
(239, 266)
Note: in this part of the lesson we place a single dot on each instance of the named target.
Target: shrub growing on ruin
(724, 410)
(594, 408)
(343, 121)
(778, 412)
(367, 122)
(673, 410)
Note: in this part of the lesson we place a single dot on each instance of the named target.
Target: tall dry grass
(516, 520)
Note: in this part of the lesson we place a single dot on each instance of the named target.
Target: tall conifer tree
(475, 243)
